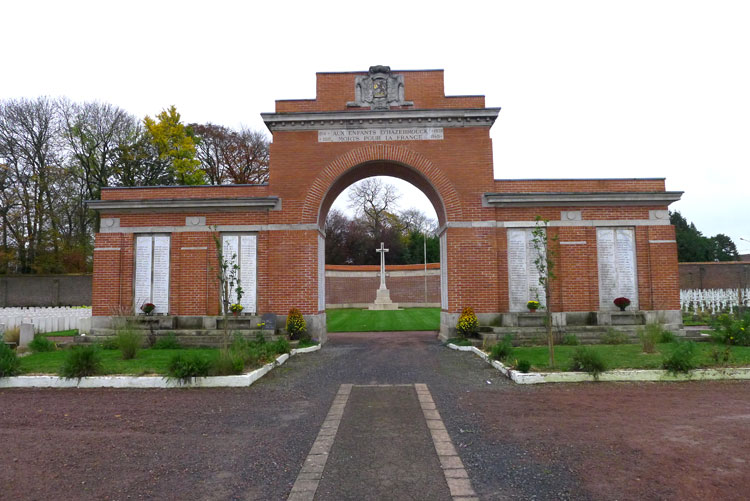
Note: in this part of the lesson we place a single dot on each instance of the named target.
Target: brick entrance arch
(382, 160)
(396, 123)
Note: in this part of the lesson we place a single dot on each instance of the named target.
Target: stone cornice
(459, 117)
(186, 204)
(563, 199)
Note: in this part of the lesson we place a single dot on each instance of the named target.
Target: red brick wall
(353, 289)
(724, 275)
(454, 173)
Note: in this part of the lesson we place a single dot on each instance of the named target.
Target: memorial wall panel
(523, 276)
(617, 274)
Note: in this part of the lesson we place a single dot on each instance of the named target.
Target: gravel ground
(584, 441)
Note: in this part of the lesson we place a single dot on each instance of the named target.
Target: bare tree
(232, 157)
(93, 133)
(375, 201)
(29, 145)
(413, 219)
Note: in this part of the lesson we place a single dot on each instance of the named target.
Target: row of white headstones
(713, 300)
(45, 320)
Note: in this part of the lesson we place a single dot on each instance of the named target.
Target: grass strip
(147, 361)
(631, 356)
(358, 320)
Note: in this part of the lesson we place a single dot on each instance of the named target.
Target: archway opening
(408, 229)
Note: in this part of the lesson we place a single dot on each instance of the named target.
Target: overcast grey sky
(587, 88)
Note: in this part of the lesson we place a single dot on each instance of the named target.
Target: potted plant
(467, 324)
(236, 309)
(148, 308)
(533, 306)
(622, 303)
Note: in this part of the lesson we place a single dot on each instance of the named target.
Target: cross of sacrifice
(382, 251)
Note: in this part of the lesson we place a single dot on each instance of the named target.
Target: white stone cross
(382, 251)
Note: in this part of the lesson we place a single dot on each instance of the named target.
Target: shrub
(229, 362)
(281, 346)
(523, 366)
(185, 366)
(720, 356)
(129, 340)
(41, 344)
(588, 360)
(168, 342)
(732, 330)
(82, 361)
(295, 324)
(667, 337)
(468, 324)
(9, 363)
(649, 337)
(570, 340)
(502, 349)
(614, 336)
(108, 344)
(306, 343)
(12, 335)
(682, 358)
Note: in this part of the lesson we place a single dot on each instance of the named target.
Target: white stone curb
(621, 375)
(238, 381)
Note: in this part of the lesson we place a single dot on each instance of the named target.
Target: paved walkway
(602, 441)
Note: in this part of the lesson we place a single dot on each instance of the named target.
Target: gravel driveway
(582, 441)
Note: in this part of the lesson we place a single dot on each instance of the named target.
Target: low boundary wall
(45, 290)
(356, 286)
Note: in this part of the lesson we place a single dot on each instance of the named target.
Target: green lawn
(409, 319)
(68, 333)
(146, 362)
(629, 356)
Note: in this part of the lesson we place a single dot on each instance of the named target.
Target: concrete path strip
(383, 442)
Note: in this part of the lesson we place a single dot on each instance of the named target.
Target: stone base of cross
(383, 298)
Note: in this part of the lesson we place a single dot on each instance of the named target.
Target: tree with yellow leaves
(175, 144)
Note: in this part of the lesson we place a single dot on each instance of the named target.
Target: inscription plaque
(242, 250)
(523, 277)
(617, 275)
(384, 134)
(151, 282)
(160, 282)
(143, 254)
(248, 268)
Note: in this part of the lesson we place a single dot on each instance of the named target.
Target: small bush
(503, 349)
(306, 343)
(12, 335)
(9, 363)
(129, 341)
(468, 324)
(667, 337)
(570, 340)
(614, 336)
(523, 366)
(168, 342)
(682, 358)
(281, 346)
(41, 344)
(588, 360)
(732, 330)
(720, 356)
(108, 344)
(228, 363)
(186, 366)
(82, 361)
(650, 337)
(295, 324)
